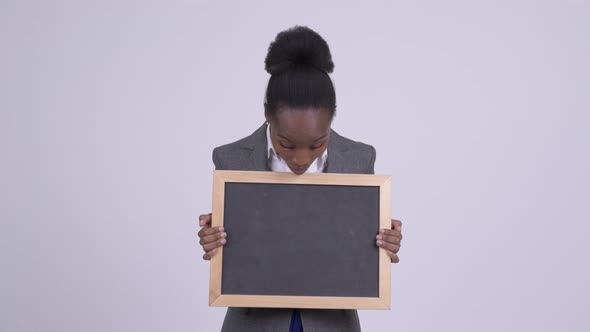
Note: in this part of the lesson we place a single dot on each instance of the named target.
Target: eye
(288, 147)
(317, 146)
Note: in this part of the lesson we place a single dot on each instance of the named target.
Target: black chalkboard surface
(304, 241)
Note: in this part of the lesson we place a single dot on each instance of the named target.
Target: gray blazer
(251, 154)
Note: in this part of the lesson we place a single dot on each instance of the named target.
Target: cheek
(285, 153)
(320, 151)
(282, 151)
(317, 153)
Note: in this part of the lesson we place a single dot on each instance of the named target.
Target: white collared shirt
(278, 164)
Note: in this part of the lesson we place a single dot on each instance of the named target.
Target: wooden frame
(216, 298)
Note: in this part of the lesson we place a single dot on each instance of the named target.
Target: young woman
(296, 137)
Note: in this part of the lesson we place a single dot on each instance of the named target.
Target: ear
(266, 115)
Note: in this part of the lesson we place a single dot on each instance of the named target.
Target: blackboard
(305, 241)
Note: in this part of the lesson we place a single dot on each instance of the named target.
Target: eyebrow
(319, 138)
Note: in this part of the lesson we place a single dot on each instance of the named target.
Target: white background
(110, 109)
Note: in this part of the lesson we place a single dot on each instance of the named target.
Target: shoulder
(353, 156)
(345, 143)
(234, 155)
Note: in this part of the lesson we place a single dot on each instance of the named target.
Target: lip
(299, 170)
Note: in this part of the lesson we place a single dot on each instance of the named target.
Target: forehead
(301, 124)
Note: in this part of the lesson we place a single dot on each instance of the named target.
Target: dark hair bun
(296, 47)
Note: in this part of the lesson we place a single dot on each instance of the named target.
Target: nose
(301, 159)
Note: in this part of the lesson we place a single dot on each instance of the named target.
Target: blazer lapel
(257, 144)
(336, 154)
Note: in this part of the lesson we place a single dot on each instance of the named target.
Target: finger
(212, 238)
(396, 224)
(394, 257)
(205, 219)
(213, 245)
(207, 256)
(209, 231)
(391, 232)
(390, 239)
(388, 246)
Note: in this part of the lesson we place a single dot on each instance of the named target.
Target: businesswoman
(297, 137)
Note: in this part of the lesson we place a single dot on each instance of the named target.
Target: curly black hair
(299, 62)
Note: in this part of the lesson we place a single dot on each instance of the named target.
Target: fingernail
(221, 229)
(223, 241)
(379, 243)
(223, 234)
(382, 231)
(379, 237)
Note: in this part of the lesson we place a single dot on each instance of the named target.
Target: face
(300, 136)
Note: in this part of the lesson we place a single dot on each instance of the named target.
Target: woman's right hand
(211, 238)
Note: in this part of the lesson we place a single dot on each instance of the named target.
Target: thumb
(204, 219)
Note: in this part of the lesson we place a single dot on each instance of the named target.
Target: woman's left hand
(390, 240)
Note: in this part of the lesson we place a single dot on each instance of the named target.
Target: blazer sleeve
(371, 169)
(216, 159)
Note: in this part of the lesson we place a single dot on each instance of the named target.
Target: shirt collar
(270, 151)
